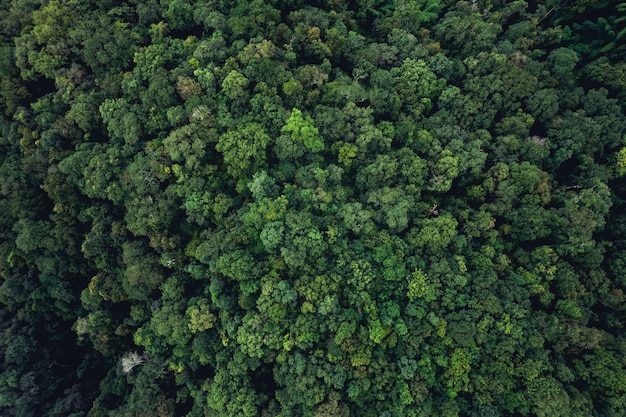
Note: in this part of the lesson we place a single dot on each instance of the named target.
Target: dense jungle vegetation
(344, 208)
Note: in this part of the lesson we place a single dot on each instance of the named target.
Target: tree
(393, 207)
(243, 149)
(234, 86)
(141, 275)
(434, 234)
(301, 129)
(562, 62)
(368, 208)
(418, 86)
(131, 360)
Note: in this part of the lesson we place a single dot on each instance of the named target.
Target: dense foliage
(308, 209)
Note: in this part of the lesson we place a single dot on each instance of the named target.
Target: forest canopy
(312, 208)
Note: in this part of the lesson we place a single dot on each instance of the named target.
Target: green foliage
(621, 162)
(362, 208)
(418, 86)
(234, 85)
(302, 130)
(200, 318)
(420, 287)
(562, 62)
(141, 273)
(242, 148)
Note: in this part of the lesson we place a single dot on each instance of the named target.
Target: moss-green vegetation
(306, 209)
